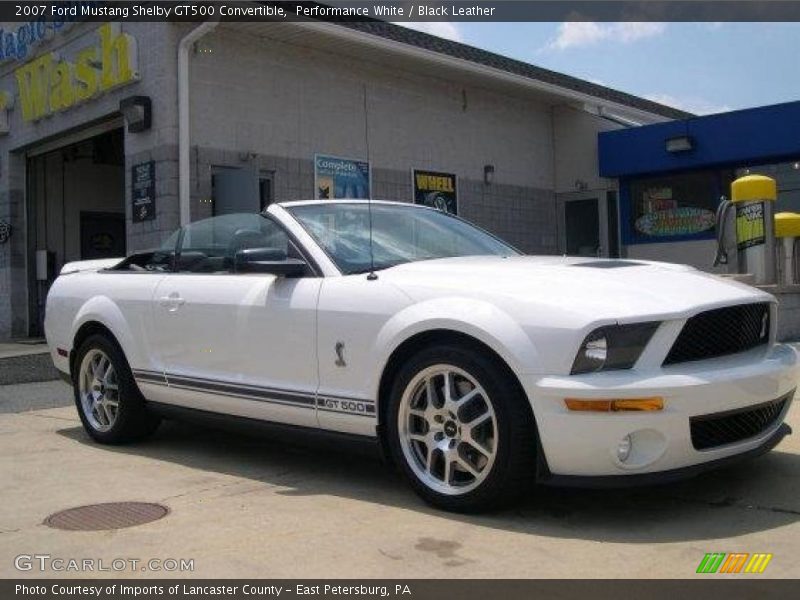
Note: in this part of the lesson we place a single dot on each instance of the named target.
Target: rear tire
(109, 403)
(461, 430)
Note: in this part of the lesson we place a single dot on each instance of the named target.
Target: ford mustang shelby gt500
(477, 368)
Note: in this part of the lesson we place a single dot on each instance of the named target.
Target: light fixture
(488, 174)
(6, 104)
(137, 111)
(682, 143)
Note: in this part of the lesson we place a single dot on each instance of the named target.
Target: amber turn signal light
(627, 404)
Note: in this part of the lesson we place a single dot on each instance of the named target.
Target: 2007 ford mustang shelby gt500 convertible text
(477, 368)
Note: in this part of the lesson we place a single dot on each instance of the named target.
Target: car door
(237, 343)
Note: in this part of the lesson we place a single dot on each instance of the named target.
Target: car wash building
(113, 135)
(673, 174)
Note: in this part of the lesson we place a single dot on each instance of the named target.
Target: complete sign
(336, 177)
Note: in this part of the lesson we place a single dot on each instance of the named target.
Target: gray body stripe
(326, 403)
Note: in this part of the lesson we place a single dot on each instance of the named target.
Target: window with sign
(673, 207)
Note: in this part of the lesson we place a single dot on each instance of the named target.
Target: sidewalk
(13, 349)
(25, 362)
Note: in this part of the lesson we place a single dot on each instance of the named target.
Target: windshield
(400, 234)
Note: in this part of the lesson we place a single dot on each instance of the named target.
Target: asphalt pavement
(288, 505)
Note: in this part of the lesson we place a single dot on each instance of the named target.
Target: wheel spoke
(464, 464)
(100, 368)
(99, 413)
(430, 390)
(468, 396)
(476, 445)
(109, 375)
(108, 414)
(477, 421)
(429, 459)
(449, 467)
(91, 368)
(447, 391)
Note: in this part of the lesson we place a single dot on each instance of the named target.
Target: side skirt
(258, 427)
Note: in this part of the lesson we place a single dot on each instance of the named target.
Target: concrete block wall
(522, 216)
(285, 103)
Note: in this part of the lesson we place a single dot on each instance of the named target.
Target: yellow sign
(49, 84)
(435, 183)
(749, 224)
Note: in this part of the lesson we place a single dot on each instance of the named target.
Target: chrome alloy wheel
(99, 390)
(448, 429)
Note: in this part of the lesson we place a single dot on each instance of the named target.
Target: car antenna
(372, 276)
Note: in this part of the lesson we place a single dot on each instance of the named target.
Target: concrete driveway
(284, 506)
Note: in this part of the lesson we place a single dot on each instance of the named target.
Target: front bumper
(579, 448)
(662, 477)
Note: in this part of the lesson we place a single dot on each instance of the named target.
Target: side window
(210, 245)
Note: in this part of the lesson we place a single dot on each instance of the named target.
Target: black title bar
(392, 10)
(394, 589)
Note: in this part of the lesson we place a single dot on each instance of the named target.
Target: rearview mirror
(269, 260)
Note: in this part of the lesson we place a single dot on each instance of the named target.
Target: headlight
(613, 347)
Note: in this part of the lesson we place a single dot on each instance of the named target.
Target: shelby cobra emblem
(478, 369)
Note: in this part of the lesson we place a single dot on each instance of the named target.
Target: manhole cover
(113, 515)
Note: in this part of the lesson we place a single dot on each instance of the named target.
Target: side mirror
(268, 260)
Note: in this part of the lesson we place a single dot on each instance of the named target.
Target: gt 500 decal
(344, 405)
(350, 406)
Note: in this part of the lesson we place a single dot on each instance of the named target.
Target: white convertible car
(478, 369)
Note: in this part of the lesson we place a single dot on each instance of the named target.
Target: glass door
(587, 222)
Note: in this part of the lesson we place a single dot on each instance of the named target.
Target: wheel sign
(435, 189)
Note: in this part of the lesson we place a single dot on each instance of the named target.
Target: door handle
(172, 302)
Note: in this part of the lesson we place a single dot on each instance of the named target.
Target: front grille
(710, 431)
(720, 332)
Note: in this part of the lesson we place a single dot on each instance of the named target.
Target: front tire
(109, 403)
(460, 429)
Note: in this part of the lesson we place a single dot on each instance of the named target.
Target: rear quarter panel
(122, 302)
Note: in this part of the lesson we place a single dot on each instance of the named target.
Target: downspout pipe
(184, 165)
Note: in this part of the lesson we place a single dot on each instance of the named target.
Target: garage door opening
(76, 211)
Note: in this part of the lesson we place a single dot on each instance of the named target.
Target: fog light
(624, 448)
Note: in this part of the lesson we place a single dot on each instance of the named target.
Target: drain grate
(112, 515)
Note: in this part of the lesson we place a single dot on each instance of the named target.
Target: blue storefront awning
(739, 138)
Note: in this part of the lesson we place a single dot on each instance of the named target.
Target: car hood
(594, 289)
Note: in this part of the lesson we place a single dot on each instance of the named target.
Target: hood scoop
(609, 264)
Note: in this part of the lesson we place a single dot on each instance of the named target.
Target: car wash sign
(49, 83)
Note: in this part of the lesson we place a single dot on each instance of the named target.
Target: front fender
(479, 319)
